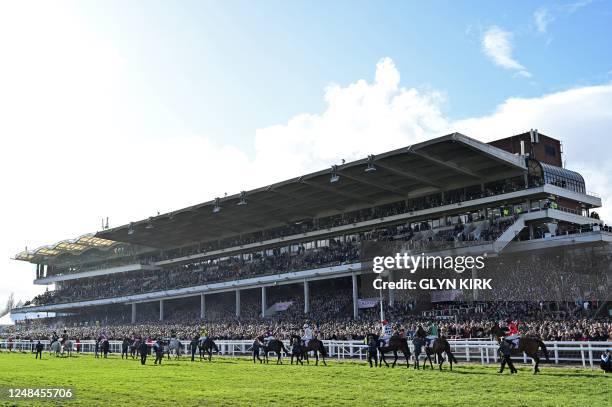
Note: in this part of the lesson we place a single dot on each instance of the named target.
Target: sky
(124, 109)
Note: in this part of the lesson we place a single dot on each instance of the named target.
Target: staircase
(509, 234)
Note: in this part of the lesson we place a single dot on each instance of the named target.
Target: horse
(68, 345)
(297, 350)
(276, 346)
(105, 345)
(418, 343)
(175, 346)
(314, 345)
(57, 348)
(207, 346)
(440, 345)
(396, 343)
(134, 348)
(530, 345)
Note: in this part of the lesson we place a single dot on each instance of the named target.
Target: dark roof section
(447, 162)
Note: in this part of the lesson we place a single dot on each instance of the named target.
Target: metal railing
(481, 351)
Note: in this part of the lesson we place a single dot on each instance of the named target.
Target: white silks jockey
(307, 334)
(387, 331)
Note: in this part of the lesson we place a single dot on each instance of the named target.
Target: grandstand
(291, 247)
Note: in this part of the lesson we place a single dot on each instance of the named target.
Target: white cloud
(542, 18)
(497, 45)
(580, 118)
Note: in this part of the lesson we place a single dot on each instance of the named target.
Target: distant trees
(10, 304)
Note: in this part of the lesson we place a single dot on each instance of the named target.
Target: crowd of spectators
(127, 254)
(331, 315)
(342, 250)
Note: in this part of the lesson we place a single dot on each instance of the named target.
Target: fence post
(590, 355)
(556, 347)
(467, 351)
(582, 355)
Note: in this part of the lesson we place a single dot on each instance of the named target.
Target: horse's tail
(542, 345)
(450, 353)
(322, 349)
(406, 346)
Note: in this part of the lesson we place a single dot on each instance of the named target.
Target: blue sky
(208, 62)
(123, 109)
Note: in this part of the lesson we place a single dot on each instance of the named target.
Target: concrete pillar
(133, 312)
(355, 297)
(531, 231)
(391, 292)
(306, 297)
(238, 303)
(202, 306)
(263, 301)
(161, 310)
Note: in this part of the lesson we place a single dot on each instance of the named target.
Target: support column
(237, 302)
(528, 205)
(263, 301)
(306, 297)
(133, 312)
(161, 310)
(391, 292)
(202, 306)
(355, 297)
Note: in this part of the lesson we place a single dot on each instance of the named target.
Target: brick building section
(547, 149)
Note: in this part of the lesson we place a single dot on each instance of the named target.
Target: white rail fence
(586, 354)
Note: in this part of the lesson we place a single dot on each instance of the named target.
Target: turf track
(228, 381)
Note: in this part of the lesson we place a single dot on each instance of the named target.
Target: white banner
(366, 303)
(282, 306)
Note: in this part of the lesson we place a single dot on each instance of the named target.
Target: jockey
(402, 333)
(513, 333)
(307, 334)
(268, 336)
(64, 337)
(54, 337)
(386, 332)
(420, 332)
(429, 338)
(203, 334)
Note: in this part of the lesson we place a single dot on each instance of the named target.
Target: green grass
(227, 381)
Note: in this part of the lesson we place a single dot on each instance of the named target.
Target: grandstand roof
(71, 247)
(443, 163)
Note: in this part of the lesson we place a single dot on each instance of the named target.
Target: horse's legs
(440, 360)
(536, 360)
(407, 359)
(382, 357)
(395, 358)
(450, 360)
